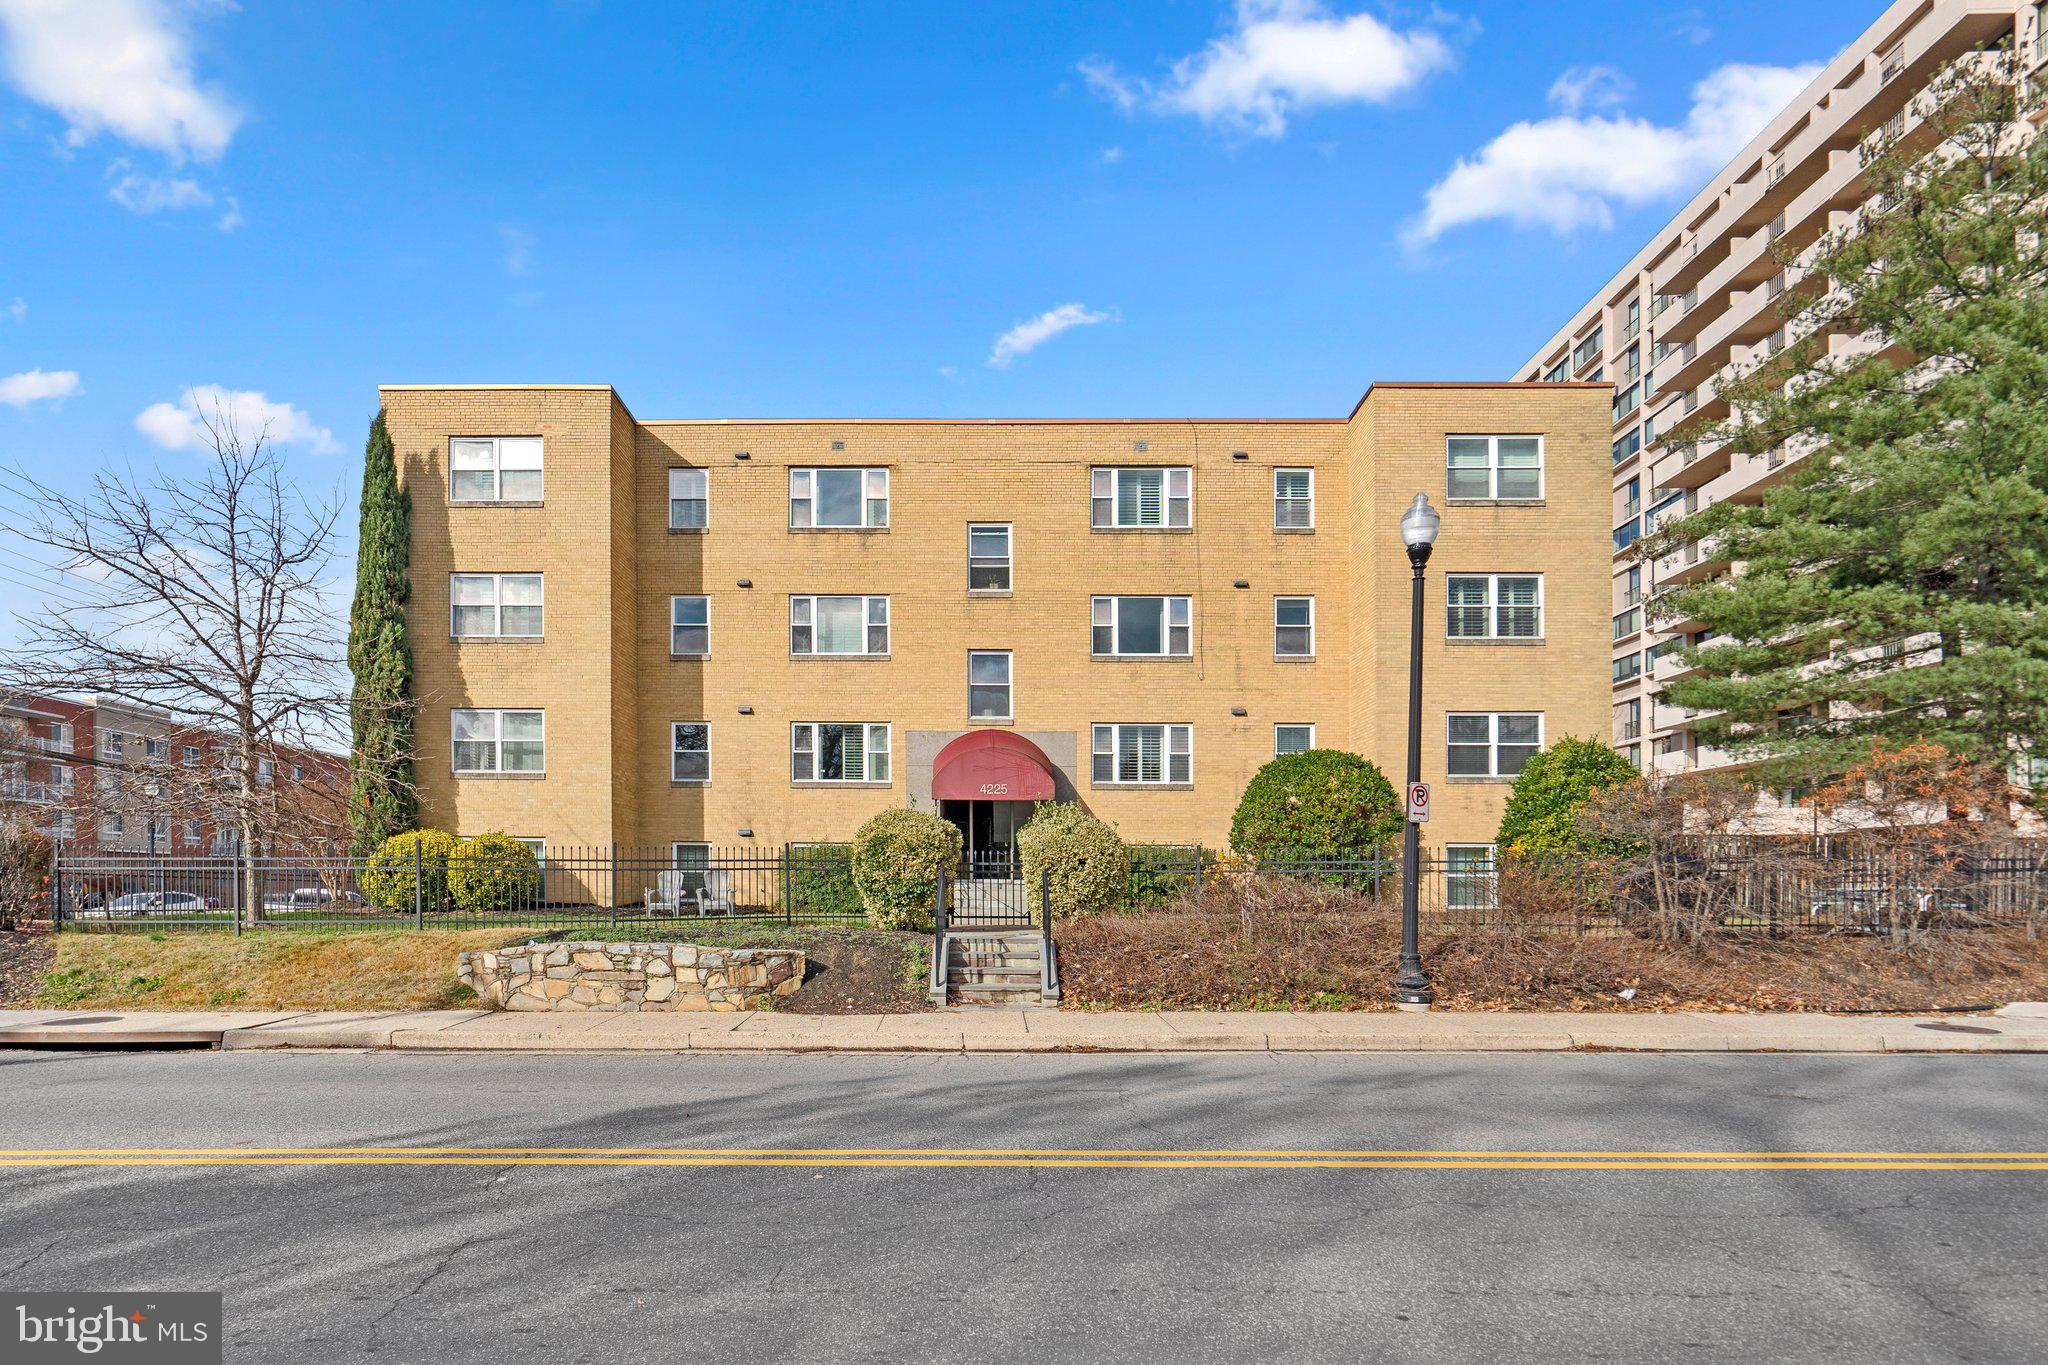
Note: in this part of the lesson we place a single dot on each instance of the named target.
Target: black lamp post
(1411, 984)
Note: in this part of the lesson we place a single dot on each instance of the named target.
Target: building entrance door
(988, 833)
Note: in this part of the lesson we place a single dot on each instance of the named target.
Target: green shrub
(1543, 809)
(24, 872)
(1323, 803)
(493, 872)
(821, 879)
(388, 874)
(898, 858)
(1088, 865)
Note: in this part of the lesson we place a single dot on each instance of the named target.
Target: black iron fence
(813, 884)
(575, 887)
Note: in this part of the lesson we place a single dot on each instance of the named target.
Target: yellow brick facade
(603, 675)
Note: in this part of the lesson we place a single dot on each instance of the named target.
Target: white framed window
(1470, 879)
(839, 499)
(112, 744)
(154, 749)
(1494, 468)
(1491, 743)
(690, 751)
(1294, 499)
(298, 772)
(1294, 627)
(62, 781)
(498, 741)
(266, 772)
(988, 556)
(689, 627)
(190, 835)
(1293, 739)
(1501, 606)
(189, 755)
(1143, 755)
(113, 827)
(1131, 499)
(839, 625)
(849, 751)
(988, 684)
(495, 469)
(495, 606)
(60, 736)
(62, 826)
(1141, 627)
(689, 499)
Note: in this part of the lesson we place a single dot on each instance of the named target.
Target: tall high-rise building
(1701, 299)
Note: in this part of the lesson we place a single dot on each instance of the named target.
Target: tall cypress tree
(382, 797)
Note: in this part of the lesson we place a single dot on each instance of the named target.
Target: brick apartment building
(1701, 299)
(105, 776)
(682, 634)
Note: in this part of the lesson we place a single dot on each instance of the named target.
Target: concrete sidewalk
(2017, 1028)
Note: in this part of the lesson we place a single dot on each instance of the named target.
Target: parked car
(137, 904)
(305, 898)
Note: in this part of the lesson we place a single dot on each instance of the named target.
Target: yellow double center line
(1022, 1157)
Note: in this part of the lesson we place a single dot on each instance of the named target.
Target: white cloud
(17, 311)
(1283, 56)
(1569, 171)
(118, 66)
(1029, 335)
(1110, 156)
(231, 216)
(183, 425)
(38, 386)
(1589, 87)
(140, 192)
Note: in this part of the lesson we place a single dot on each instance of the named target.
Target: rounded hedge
(1322, 803)
(388, 873)
(1087, 863)
(493, 872)
(1543, 809)
(898, 858)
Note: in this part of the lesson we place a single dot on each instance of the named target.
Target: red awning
(992, 765)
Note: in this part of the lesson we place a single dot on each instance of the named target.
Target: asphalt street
(505, 1207)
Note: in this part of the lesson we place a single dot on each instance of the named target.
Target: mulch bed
(1312, 951)
(24, 957)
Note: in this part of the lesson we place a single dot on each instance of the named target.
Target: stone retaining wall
(629, 976)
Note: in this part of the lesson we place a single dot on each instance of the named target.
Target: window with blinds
(1294, 499)
(1494, 606)
(1143, 755)
(838, 751)
(839, 625)
(1140, 499)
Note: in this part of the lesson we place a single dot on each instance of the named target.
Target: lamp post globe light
(1419, 525)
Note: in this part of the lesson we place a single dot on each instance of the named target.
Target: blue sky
(1198, 207)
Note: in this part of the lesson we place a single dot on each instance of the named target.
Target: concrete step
(995, 995)
(973, 976)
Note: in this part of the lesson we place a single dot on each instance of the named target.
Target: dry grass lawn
(275, 969)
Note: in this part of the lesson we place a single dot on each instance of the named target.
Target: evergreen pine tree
(1893, 585)
(382, 798)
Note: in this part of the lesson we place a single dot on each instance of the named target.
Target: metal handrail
(938, 973)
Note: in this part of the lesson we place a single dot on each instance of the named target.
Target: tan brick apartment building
(1701, 298)
(732, 633)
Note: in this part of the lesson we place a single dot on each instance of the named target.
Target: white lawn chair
(715, 896)
(665, 897)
